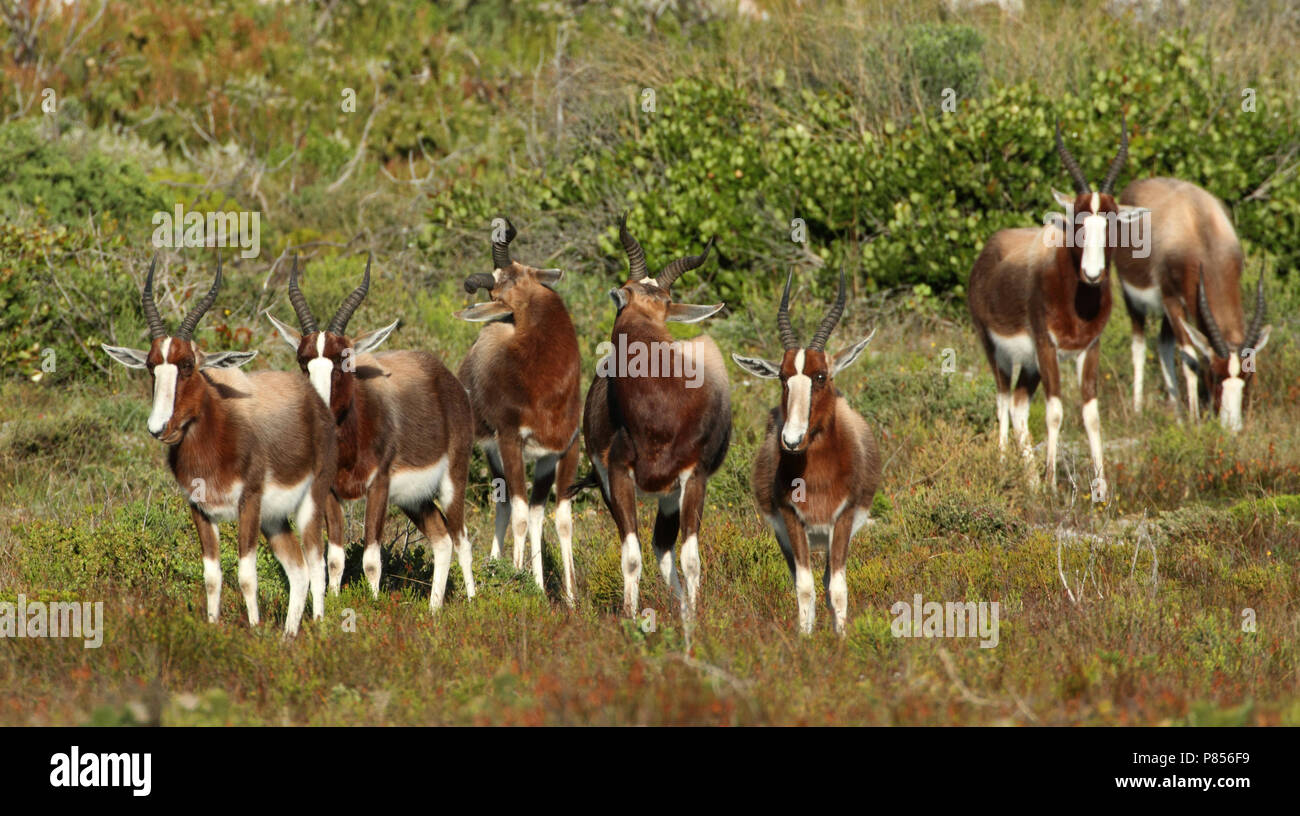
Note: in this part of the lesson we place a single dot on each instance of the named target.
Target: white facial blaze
(164, 392)
(1095, 228)
(798, 405)
(1230, 400)
(320, 370)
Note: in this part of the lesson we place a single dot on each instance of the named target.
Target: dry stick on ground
(946, 659)
(375, 108)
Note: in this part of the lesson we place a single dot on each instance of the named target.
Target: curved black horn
(501, 249)
(1108, 185)
(635, 254)
(788, 338)
(1203, 305)
(479, 280)
(156, 326)
(1256, 321)
(1072, 166)
(306, 322)
(339, 324)
(832, 317)
(674, 270)
(186, 330)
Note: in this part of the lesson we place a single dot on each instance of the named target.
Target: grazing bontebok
(1039, 294)
(523, 378)
(657, 420)
(1191, 277)
(403, 424)
(818, 469)
(257, 449)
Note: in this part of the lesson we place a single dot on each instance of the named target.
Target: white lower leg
(212, 583)
(519, 527)
(372, 566)
(335, 567)
(1193, 392)
(1053, 416)
(535, 515)
(631, 574)
(1020, 422)
(465, 553)
(1138, 348)
(564, 532)
(441, 569)
(807, 597)
(1092, 424)
(668, 569)
(296, 572)
(316, 574)
(691, 569)
(248, 584)
(838, 592)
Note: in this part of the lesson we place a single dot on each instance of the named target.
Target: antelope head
(807, 373)
(1231, 366)
(652, 296)
(1091, 218)
(173, 360)
(326, 356)
(510, 285)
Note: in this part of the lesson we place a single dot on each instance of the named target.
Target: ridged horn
(635, 254)
(186, 330)
(306, 321)
(674, 270)
(788, 338)
(1071, 166)
(832, 317)
(1203, 306)
(339, 324)
(479, 280)
(156, 326)
(501, 249)
(1117, 164)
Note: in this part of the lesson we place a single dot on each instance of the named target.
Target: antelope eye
(821, 377)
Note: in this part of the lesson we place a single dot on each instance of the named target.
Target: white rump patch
(1148, 300)
(412, 487)
(281, 502)
(1014, 350)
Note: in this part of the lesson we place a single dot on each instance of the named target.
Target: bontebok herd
(276, 450)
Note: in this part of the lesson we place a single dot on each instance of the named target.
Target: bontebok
(403, 425)
(1039, 294)
(661, 430)
(524, 382)
(1191, 278)
(257, 449)
(817, 470)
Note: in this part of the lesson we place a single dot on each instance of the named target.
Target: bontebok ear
(227, 359)
(1198, 340)
(548, 277)
(371, 339)
(1064, 199)
(847, 357)
(619, 297)
(483, 312)
(288, 333)
(758, 367)
(686, 313)
(131, 358)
